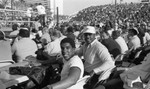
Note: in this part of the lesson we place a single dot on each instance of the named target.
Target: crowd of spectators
(122, 14)
(97, 35)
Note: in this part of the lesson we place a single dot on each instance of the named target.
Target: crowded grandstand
(100, 47)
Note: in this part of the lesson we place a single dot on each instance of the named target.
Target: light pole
(54, 10)
(57, 17)
(115, 14)
(11, 3)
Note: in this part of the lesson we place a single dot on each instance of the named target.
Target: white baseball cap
(89, 29)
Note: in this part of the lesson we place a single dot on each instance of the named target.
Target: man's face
(104, 35)
(67, 51)
(89, 37)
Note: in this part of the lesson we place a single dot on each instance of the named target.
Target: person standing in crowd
(41, 13)
(123, 45)
(96, 56)
(29, 12)
(24, 46)
(72, 69)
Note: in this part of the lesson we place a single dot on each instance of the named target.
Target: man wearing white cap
(96, 56)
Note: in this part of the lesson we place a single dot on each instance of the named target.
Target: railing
(8, 16)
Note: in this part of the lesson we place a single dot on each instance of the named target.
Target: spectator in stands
(5, 48)
(29, 12)
(33, 33)
(52, 49)
(123, 81)
(96, 56)
(24, 47)
(15, 31)
(41, 12)
(109, 27)
(45, 38)
(70, 31)
(73, 67)
(116, 36)
(37, 24)
(141, 70)
(134, 41)
(112, 46)
(143, 35)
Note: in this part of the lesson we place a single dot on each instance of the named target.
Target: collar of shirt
(135, 36)
(89, 45)
(23, 38)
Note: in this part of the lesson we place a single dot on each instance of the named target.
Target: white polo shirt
(96, 57)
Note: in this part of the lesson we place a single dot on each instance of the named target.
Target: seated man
(96, 55)
(5, 48)
(112, 46)
(52, 49)
(24, 47)
(121, 41)
(15, 31)
(45, 38)
(141, 70)
(134, 41)
(121, 81)
(73, 67)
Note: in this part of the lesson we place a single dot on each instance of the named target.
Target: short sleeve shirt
(75, 61)
(23, 48)
(134, 42)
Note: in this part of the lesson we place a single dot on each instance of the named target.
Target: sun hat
(89, 29)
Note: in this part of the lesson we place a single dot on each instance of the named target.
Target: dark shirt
(112, 46)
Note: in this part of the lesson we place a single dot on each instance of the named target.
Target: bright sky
(73, 6)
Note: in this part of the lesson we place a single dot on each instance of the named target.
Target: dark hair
(14, 27)
(133, 31)
(105, 31)
(2, 35)
(116, 33)
(68, 40)
(54, 32)
(24, 32)
(70, 29)
(34, 30)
